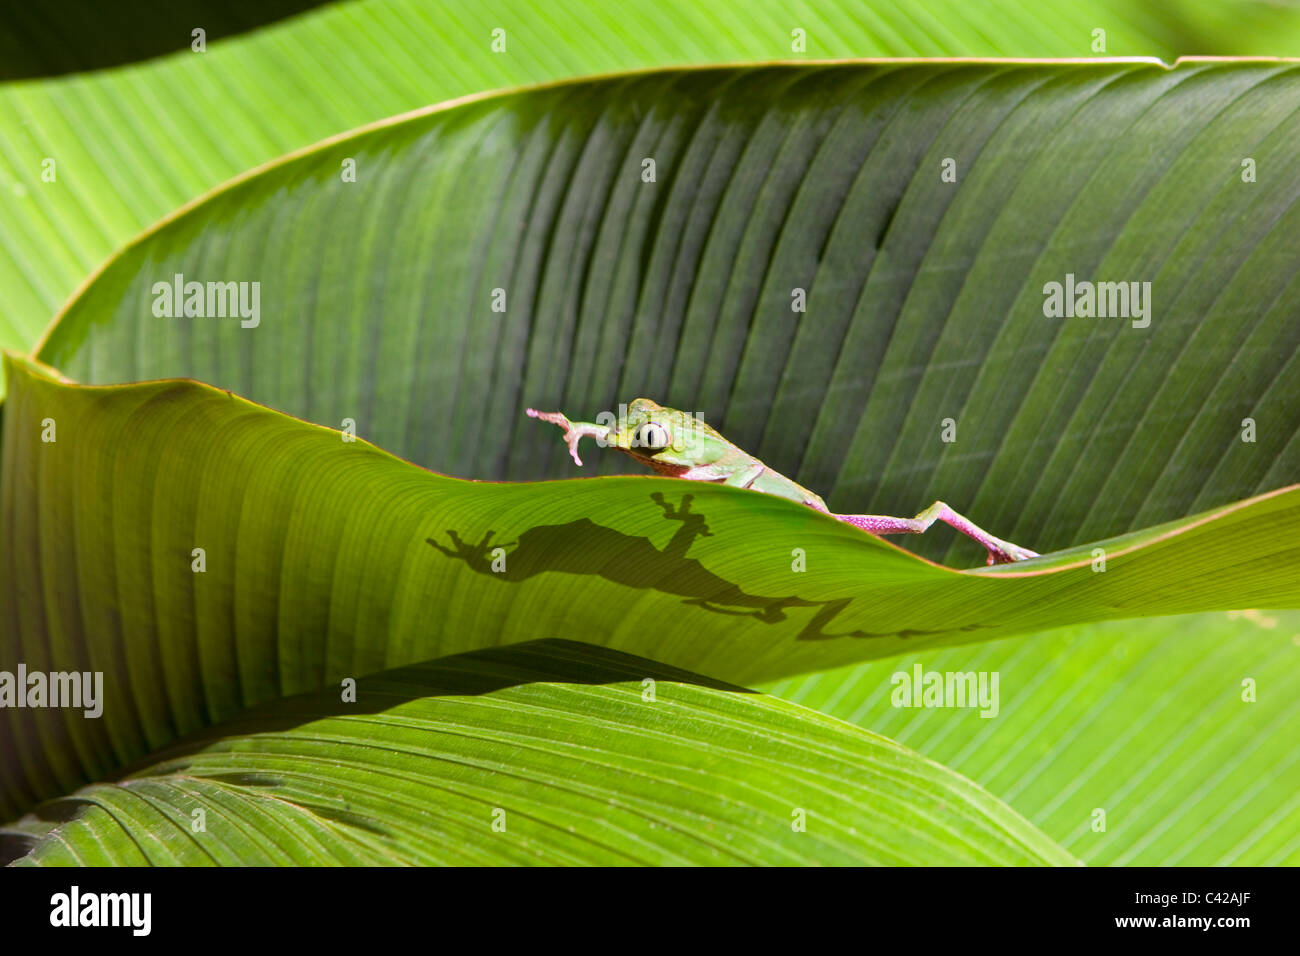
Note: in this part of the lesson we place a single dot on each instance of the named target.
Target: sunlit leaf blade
(549, 753)
(133, 143)
(924, 366)
(1181, 730)
(207, 555)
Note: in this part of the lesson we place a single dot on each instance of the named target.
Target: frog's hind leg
(1000, 552)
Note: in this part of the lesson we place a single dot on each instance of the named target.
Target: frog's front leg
(744, 477)
(574, 432)
(1000, 552)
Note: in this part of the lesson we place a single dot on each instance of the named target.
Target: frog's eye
(652, 436)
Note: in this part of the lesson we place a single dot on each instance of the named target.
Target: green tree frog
(681, 445)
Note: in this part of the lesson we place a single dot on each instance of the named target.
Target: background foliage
(1131, 169)
(134, 143)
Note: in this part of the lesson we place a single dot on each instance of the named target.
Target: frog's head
(664, 438)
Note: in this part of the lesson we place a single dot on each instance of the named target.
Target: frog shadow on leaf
(584, 547)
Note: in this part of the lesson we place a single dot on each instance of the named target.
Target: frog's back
(774, 483)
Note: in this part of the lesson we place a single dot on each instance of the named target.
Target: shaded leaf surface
(925, 298)
(134, 143)
(68, 36)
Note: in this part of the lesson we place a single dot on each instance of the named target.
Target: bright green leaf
(1182, 729)
(208, 555)
(548, 753)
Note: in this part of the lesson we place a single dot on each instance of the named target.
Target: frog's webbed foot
(574, 432)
